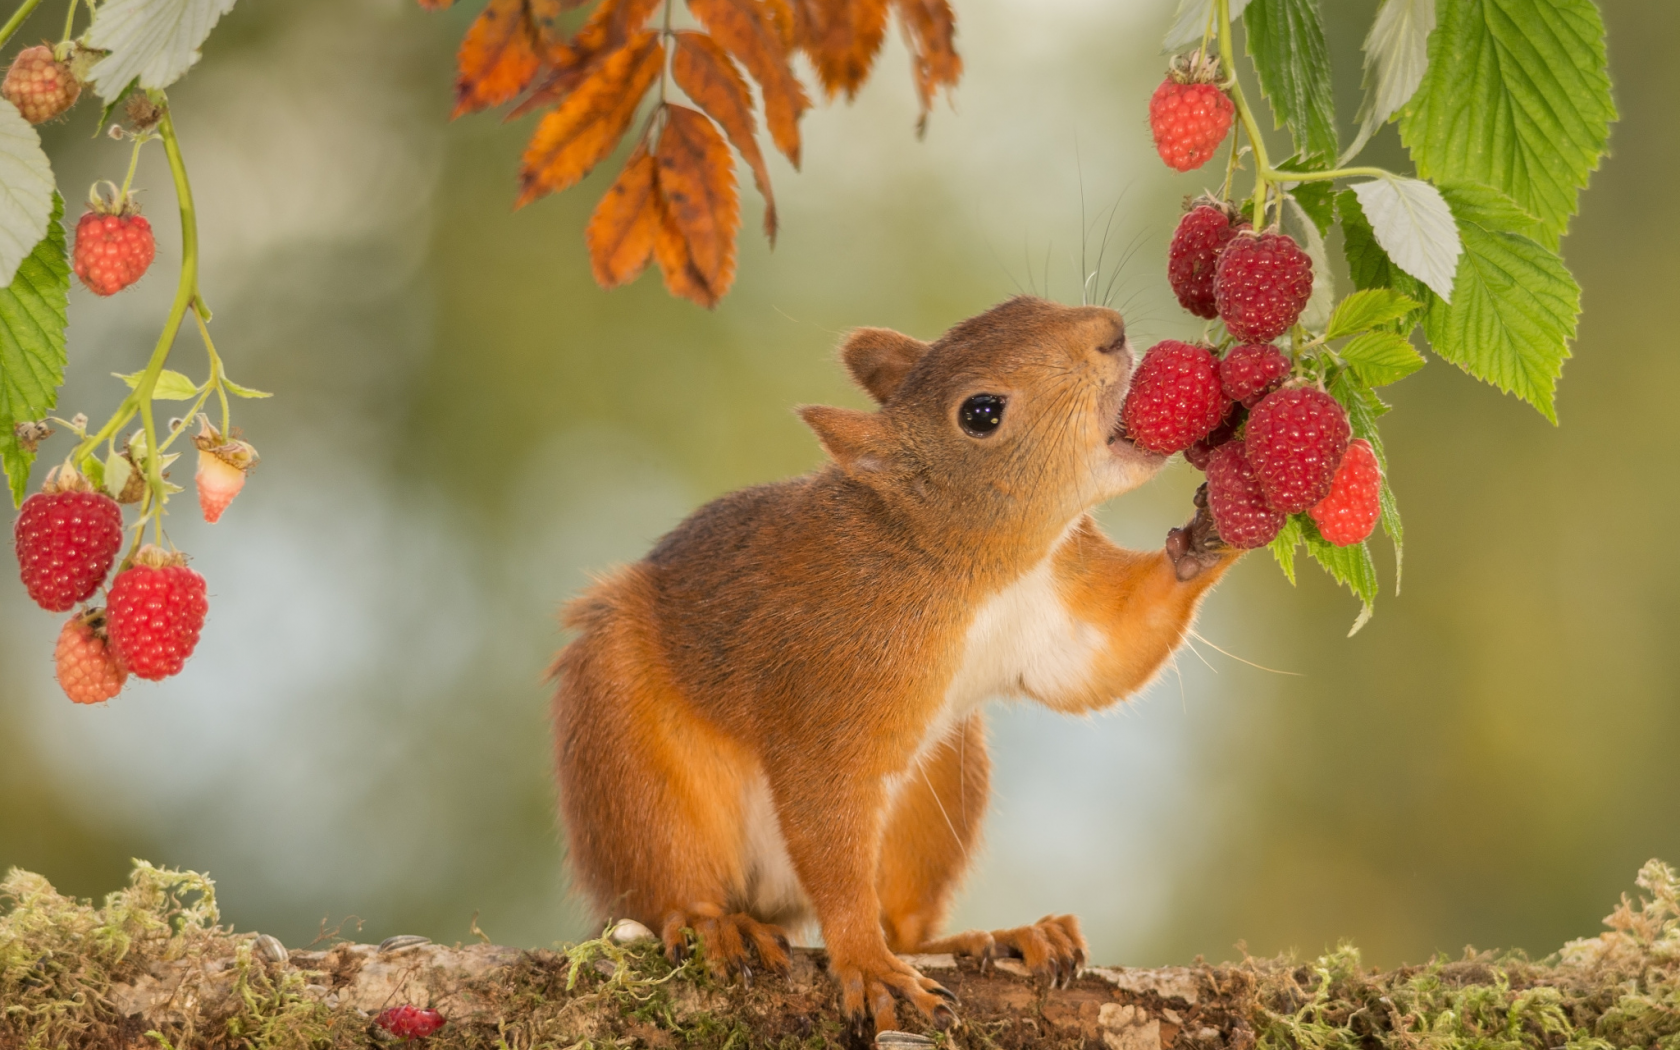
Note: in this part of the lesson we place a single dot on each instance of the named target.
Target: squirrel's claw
(1196, 545)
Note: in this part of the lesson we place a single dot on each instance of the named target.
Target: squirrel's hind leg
(652, 796)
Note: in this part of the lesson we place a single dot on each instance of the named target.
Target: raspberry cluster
(1271, 441)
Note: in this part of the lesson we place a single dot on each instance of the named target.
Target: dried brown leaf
(930, 28)
(842, 38)
(626, 222)
(589, 121)
(706, 72)
(696, 244)
(497, 59)
(749, 30)
(571, 62)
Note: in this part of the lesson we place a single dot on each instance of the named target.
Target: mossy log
(153, 968)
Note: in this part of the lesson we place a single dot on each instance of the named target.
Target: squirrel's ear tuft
(855, 440)
(880, 358)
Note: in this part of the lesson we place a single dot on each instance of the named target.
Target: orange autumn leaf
(626, 222)
(588, 123)
(705, 71)
(498, 57)
(748, 29)
(841, 37)
(930, 28)
(696, 245)
(609, 27)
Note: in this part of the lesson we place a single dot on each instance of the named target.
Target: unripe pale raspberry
(1253, 370)
(66, 536)
(1194, 254)
(1350, 512)
(155, 612)
(1240, 511)
(39, 85)
(1175, 397)
(112, 250)
(88, 672)
(222, 467)
(1189, 122)
(1296, 438)
(1262, 283)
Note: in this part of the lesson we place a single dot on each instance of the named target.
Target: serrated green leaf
(26, 190)
(1513, 312)
(154, 41)
(1391, 525)
(32, 320)
(1368, 309)
(1350, 566)
(1396, 56)
(1517, 97)
(1370, 266)
(1284, 544)
(1286, 41)
(170, 386)
(1490, 209)
(1415, 227)
(1381, 358)
(241, 391)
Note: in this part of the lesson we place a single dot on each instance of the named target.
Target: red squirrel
(776, 715)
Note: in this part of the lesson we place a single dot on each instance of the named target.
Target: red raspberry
(1296, 438)
(112, 250)
(1261, 285)
(1240, 511)
(1194, 253)
(157, 609)
(67, 535)
(1253, 370)
(1202, 449)
(1175, 397)
(1351, 510)
(409, 1022)
(1189, 120)
(88, 671)
(39, 85)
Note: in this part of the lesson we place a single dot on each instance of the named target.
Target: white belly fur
(1022, 642)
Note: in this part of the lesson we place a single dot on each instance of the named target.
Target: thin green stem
(217, 374)
(70, 18)
(1274, 175)
(133, 163)
(24, 10)
(1262, 164)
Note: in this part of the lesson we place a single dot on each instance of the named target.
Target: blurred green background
(466, 427)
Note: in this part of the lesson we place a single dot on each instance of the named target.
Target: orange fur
(772, 718)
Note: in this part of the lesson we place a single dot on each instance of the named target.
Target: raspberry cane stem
(186, 295)
(24, 10)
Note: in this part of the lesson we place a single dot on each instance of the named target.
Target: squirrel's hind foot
(1051, 948)
(731, 945)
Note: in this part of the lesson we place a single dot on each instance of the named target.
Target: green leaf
(1370, 266)
(1415, 227)
(1351, 566)
(1513, 311)
(1381, 358)
(1489, 208)
(1517, 97)
(1191, 20)
(170, 386)
(1368, 309)
(241, 391)
(156, 41)
(118, 469)
(1284, 544)
(1286, 41)
(26, 190)
(1396, 55)
(32, 320)
(1317, 198)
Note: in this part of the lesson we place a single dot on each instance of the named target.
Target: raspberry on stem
(113, 250)
(1349, 513)
(1296, 438)
(1194, 254)
(66, 537)
(1261, 285)
(155, 613)
(39, 85)
(1253, 370)
(1175, 397)
(1240, 511)
(88, 671)
(1188, 114)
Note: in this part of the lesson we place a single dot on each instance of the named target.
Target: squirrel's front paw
(867, 991)
(1196, 546)
(731, 945)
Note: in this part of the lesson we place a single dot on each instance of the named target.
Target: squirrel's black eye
(981, 414)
